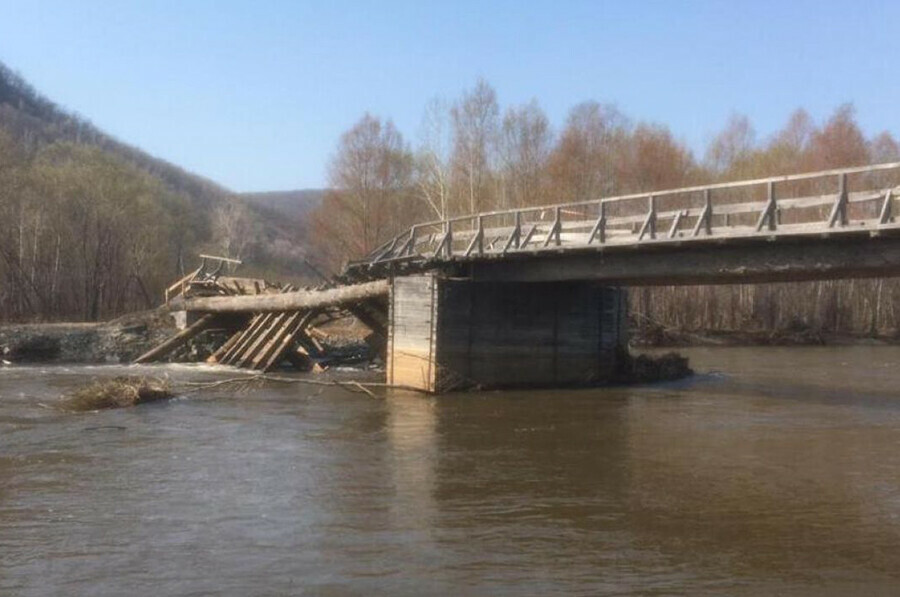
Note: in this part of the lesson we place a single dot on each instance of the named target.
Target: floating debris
(118, 392)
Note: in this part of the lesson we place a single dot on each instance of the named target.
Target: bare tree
(232, 228)
(586, 162)
(475, 125)
(732, 148)
(432, 162)
(370, 198)
(525, 146)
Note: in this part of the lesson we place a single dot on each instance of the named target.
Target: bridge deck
(833, 204)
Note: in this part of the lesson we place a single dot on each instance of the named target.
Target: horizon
(276, 132)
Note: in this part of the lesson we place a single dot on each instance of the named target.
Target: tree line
(472, 156)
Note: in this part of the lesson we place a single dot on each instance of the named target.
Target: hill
(296, 205)
(91, 227)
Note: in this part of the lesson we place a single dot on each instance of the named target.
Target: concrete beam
(752, 261)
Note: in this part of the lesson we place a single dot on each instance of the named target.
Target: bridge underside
(714, 262)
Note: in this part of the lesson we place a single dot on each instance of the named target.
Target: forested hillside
(91, 227)
(295, 205)
(474, 156)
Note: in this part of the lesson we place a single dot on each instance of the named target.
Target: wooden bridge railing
(829, 201)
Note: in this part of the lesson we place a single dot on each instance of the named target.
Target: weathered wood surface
(411, 351)
(177, 340)
(289, 301)
(250, 336)
(838, 202)
(217, 356)
(285, 341)
(266, 333)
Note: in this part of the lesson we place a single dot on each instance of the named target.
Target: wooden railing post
(770, 211)
(839, 211)
(705, 219)
(477, 240)
(886, 215)
(449, 238)
(515, 238)
(676, 222)
(445, 247)
(386, 253)
(518, 230)
(599, 229)
(413, 232)
(555, 231)
(649, 225)
(480, 235)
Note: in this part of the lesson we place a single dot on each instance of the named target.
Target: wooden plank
(245, 344)
(839, 211)
(228, 356)
(225, 259)
(649, 224)
(178, 287)
(308, 342)
(554, 230)
(286, 342)
(410, 347)
(235, 337)
(177, 340)
(267, 331)
(886, 208)
(285, 329)
(598, 231)
(676, 221)
(768, 216)
(528, 236)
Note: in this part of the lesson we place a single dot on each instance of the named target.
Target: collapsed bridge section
(266, 323)
(532, 295)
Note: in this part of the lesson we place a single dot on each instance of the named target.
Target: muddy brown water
(773, 471)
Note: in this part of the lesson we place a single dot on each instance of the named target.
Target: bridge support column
(450, 333)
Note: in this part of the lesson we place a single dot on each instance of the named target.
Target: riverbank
(345, 343)
(659, 337)
(122, 340)
(117, 341)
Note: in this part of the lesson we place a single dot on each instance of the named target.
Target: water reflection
(411, 428)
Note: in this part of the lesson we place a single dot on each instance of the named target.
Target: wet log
(250, 336)
(286, 343)
(289, 301)
(239, 335)
(268, 333)
(177, 340)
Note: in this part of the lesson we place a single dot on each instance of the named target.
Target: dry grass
(118, 392)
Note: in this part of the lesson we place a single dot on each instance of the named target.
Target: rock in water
(650, 369)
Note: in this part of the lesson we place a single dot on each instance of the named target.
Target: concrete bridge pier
(446, 333)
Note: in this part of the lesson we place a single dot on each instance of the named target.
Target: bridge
(534, 295)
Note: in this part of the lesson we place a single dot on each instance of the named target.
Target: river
(772, 471)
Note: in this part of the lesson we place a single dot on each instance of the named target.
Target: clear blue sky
(255, 94)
